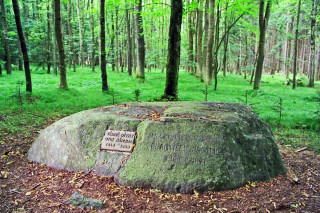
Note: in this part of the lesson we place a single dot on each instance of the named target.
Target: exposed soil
(29, 187)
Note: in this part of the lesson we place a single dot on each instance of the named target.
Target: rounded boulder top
(176, 147)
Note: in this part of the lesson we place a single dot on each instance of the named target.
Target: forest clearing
(59, 58)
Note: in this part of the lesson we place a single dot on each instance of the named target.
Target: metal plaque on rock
(118, 141)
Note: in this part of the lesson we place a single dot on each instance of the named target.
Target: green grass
(48, 101)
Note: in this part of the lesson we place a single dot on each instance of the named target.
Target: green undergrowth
(22, 111)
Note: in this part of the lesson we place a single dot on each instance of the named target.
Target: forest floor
(29, 187)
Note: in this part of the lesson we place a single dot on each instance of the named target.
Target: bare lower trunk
(16, 10)
(312, 44)
(172, 73)
(103, 47)
(296, 48)
(5, 35)
(140, 40)
(210, 44)
(263, 24)
(59, 37)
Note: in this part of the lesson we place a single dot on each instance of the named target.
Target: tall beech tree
(5, 37)
(173, 61)
(129, 53)
(103, 47)
(295, 53)
(59, 38)
(263, 25)
(140, 40)
(312, 43)
(23, 44)
(210, 41)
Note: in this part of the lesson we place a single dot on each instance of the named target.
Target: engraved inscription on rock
(118, 141)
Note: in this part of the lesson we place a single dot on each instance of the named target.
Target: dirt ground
(29, 187)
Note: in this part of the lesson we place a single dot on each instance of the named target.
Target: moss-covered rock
(180, 146)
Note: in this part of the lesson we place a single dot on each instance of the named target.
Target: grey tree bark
(209, 60)
(140, 41)
(24, 49)
(5, 36)
(296, 48)
(312, 43)
(173, 62)
(263, 24)
(59, 38)
(103, 47)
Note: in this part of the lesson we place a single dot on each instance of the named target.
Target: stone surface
(81, 201)
(180, 146)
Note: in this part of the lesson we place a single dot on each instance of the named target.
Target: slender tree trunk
(215, 59)
(140, 40)
(190, 43)
(5, 36)
(54, 41)
(93, 53)
(59, 38)
(210, 43)
(48, 39)
(16, 10)
(312, 43)
(134, 56)
(172, 72)
(205, 47)
(72, 58)
(80, 34)
(103, 47)
(263, 24)
(116, 32)
(226, 41)
(199, 41)
(112, 44)
(296, 48)
(129, 41)
(317, 78)
(20, 56)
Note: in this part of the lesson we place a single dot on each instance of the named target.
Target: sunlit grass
(48, 101)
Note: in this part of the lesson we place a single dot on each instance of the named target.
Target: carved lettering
(115, 140)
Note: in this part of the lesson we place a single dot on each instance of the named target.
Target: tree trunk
(129, 41)
(210, 44)
(5, 36)
(54, 41)
(93, 53)
(134, 56)
(103, 48)
(205, 47)
(312, 43)
(48, 38)
(116, 32)
(140, 40)
(62, 66)
(20, 56)
(215, 59)
(226, 41)
(190, 43)
(80, 34)
(199, 41)
(263, 24)
(296, 48)
(16, 10)
(172, 72)
(112, 44)
(317, 78)
(72, 58)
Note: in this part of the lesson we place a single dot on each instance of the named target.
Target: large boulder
(179, 147)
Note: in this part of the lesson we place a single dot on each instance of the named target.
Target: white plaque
(118, 141)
